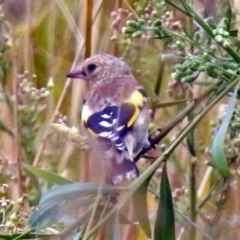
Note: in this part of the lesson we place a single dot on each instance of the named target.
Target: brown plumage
(114, 112)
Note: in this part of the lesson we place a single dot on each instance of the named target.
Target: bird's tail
(126, 170)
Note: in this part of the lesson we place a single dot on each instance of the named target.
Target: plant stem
(192, 198)
(89, 11)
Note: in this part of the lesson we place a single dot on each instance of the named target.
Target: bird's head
(100, 68)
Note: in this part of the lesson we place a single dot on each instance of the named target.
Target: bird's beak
(77, 73)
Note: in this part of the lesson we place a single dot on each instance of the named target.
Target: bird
(115, 113)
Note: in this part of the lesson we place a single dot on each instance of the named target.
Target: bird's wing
(113, 121)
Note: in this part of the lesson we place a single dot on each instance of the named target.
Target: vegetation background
(40, 41)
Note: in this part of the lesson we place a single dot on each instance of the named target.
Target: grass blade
(141, 208)
(218, 155)
(64, 212)
(165, 223)
(46, 175)
(74, 190)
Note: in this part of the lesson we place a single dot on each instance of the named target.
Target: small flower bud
(50, 83)
(226, 34)
(128, 30)
(133, 24)
(187, 79)
(142, 21)
(206, 56)
(9, 225)
(157, 23)
(226, 43)
(137, 34)
(180, 45)
(214, 31)
(219, 38)
(158, 32)
(20, 201)
(220, 31)
(174, 76)
(13, 217)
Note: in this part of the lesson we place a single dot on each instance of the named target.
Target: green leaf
(141, 208)
(64, 200)
(74, 190)
(46, 175)
(229, 17)
(165, 223)
(218, 155)
(47, 214)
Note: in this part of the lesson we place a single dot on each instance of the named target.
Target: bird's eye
(91, 67)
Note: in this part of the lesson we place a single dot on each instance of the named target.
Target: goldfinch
(114, 113)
